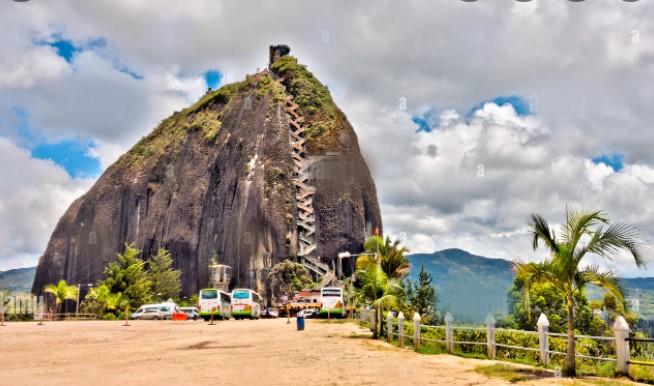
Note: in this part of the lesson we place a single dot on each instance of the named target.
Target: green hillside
(472, 286)
(18, 280)
(469, 286)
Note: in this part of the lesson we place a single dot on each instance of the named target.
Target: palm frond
(619, 236)
(365, 262)
(578, 224)
(540, 231)
(606, 279)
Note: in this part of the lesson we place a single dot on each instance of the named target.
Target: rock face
(216, 180)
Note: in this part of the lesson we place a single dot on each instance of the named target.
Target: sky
(471, 115)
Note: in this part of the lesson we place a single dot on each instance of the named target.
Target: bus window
(241, 295)
(332, 292)
(209, 294)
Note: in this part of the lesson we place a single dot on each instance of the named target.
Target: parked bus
(216, 302)
(246, 304)
(332, 301)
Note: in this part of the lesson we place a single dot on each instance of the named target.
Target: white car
(152, 314)
(191, 312)
(138, 313)
(167, 309)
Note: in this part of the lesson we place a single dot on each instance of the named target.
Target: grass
(323, 118)
(338, 321)
(204, 116)
(359, 336)
(641, 373)
(511, 373)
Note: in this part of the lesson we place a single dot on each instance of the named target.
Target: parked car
(138, 313)
(152, 314)
(191, 312)
(168, 309)
(270, 312)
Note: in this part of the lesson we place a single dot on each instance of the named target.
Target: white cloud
(33, 195)
(586, 70)
(446, 198)
(37, 64)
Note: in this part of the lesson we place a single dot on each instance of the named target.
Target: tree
(165, 280)
(584, 232)
(288, 276)
(614, 308)
(392, 256)
(62, 292)
(128, 277)
(377, 288)
(547, 299)
(421, 296)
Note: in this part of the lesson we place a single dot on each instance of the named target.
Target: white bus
(216, 302)
(332, 301)
(246, 304)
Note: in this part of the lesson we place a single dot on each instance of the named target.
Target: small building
(277, 52)
(220, 276)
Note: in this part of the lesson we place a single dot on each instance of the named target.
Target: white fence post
(400, 328)
(363, 314)
(449, 336)
(543, 341)
(490, 336)
(416, 331)
(621, 331)
(389, 323)
(373, 320)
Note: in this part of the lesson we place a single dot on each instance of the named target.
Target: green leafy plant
(62, 292)
(564, 269)
(165, 281)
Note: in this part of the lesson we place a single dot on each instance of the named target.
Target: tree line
(128, 282)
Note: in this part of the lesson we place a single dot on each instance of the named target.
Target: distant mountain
(18, 280)
(471, 286)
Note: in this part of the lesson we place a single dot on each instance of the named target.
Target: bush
(121, 316)
(109, 317)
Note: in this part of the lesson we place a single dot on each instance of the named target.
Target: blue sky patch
(129, 71)
(70, 155)
(67, 49)
(213, 78)
(615, 160)
(520, 105)
(424, 121)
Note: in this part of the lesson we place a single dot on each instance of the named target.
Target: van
(167, 309)
(138, 313)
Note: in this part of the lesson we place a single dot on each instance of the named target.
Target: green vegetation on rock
(288, 276)
(323, 118)
(204, 116)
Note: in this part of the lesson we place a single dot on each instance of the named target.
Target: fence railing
(540, 341)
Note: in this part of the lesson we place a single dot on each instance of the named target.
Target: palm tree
(584, 232)
(392, 258)
(62, 292)
(380, 290)
(109, 301)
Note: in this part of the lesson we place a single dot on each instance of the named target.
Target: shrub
(109, 316)
(121, 316)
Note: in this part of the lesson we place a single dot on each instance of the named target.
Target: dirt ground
(264, 352)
